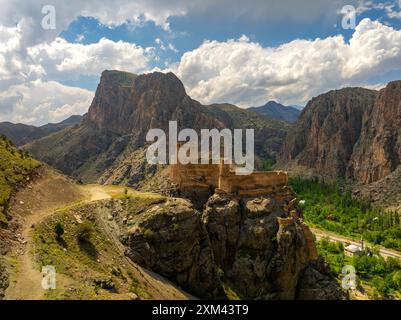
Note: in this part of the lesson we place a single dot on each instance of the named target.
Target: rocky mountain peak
(162, 84)
(123, 99)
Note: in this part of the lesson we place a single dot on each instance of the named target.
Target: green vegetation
(85, 232)
(140, 202)
(124, 78)
(330, 206)
(79, 264)
(379, 278)
(15, 166)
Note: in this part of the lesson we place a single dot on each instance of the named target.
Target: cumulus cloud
(65, 60)
(38, 102)
(245, 73)
(28, 89)
(28, 15)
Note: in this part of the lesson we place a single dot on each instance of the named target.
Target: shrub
(84, 232)
(59, 230)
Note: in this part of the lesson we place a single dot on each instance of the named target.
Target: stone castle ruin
(190, 177)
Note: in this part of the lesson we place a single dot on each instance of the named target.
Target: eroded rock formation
(378, 150)
(324, 136)
(256, 246)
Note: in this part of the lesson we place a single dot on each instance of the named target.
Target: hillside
(92, 269)
(21, 134)
(113, 132)
(15, 168)
(278, 111)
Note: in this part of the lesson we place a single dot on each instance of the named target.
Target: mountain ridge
(21, 134)
(278, 111)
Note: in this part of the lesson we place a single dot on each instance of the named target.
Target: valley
(83, 199)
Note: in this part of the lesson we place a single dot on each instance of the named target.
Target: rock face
(171, 240)
(258, 247)
(261, 247)
(353, 133)
(316, 283)
(112, 134)
(324, 136)
(378, 150)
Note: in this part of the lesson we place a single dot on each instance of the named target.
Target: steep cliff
(378, 150)
(324, 136)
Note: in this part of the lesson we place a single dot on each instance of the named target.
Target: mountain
(109, 145)
(21, 134)
(277, 111)
(324, 136)
(352, 133)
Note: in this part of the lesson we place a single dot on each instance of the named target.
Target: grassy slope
(124, 78)
(79, 264)
(15, 167)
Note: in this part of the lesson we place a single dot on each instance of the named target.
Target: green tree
(59, 230)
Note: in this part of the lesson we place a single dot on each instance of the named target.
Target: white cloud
(116, 12)
(245, 73)
(29, 93)
(65, 60)
(39, 102)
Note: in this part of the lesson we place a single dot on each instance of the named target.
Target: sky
(241, 52)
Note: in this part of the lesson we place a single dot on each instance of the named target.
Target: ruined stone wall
(204, 176)
(195, 176)
(257, 181)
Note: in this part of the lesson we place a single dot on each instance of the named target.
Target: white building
(353, 250)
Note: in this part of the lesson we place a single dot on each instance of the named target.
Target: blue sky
(244, 53)
(188, 33)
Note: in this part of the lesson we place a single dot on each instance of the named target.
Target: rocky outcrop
(316, 283)
(171, 240)
(378, 150)
(259, 243)
(256, 246)
(324, 136)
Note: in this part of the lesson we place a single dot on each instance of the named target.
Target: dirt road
(335, 237)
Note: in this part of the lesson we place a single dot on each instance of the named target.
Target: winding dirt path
(27, 279)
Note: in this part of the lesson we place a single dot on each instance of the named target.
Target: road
(335, 237)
